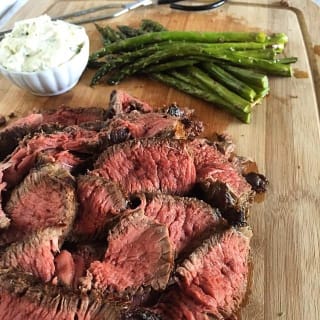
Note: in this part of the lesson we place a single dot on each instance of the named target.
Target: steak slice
(222, 184)
(177, 167)
(34, 254)
(213, 280)
(189, 220)
(22, 297)
(135, 125)
(100, 201)
(45, 198)
(139, 254)
(16, 131)
(11, 135)
(149, 165)
(66, 116)
(122, 102)
(23, 158)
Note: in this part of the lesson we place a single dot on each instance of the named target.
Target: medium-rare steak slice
(23, 158)
(66, 116)
(189, 220)
(213, 280)
(100, 201)
(139, 254)
(176, 167)
(135, 125)
(22, 297)
(11, 135)
(149, 165)
(122, 102)
(222, 184)
(34, 254)
(16, 131)
(45, 198)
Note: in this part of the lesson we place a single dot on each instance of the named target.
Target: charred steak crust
(23, 297)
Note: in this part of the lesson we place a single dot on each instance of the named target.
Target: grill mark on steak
(139, 254)
(23, 297)
(34, 254)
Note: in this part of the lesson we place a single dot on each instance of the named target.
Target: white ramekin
(53, 81)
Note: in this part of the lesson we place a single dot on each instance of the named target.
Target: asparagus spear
(229, 81)
(203, 94)
(170, 65)
(130, 32)
(190, 36)
(167, 51)
(148, 25)
(219, 89)
(250, 77)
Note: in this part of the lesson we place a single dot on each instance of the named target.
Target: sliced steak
(11, 135)
(189, 220)
(16, 131)
(45, 198)
(149, 165)
(34, 254)
(221, 183)
(100, 201)
(23, 158)
(177, 167)
(67, 116)
(23, 298)
(213, 280)
(122, 102)
(145, 125)
(139, 254)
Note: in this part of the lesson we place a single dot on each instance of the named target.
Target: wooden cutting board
(283, 138)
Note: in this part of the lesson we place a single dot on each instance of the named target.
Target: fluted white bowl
(52, 81)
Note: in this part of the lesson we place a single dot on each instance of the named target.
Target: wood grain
(283, 138)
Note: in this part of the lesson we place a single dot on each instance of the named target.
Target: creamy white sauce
(39, 44)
